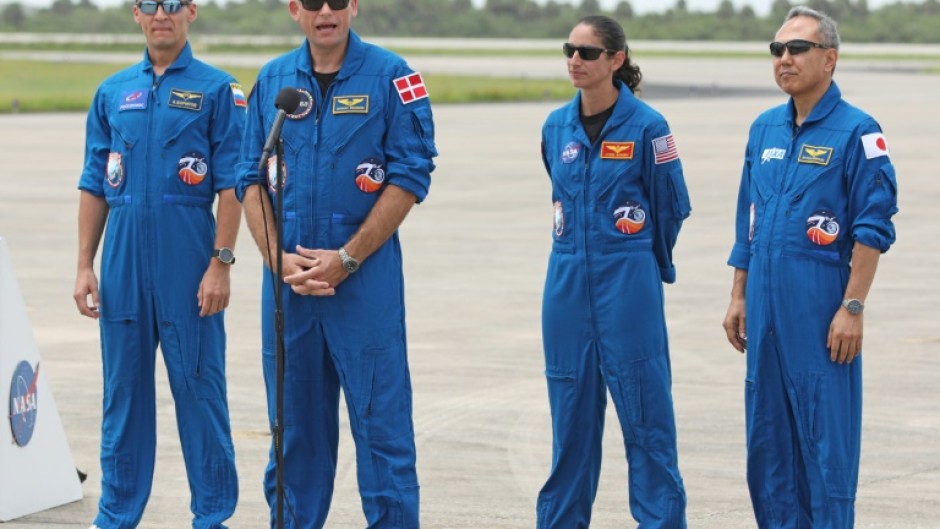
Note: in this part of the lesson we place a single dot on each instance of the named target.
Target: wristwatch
(350, 264)
(226, 255)
(854, 306)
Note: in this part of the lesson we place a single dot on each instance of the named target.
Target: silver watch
(350, 264)
(226, 255)
(854, 306)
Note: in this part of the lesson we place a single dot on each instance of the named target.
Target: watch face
(226, 256)
(350, 265)
(854, 306)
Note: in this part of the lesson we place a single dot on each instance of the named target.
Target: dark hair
(613, 38)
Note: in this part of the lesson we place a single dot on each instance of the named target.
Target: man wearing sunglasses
(357, 154)
(162, 140)
(817, 195)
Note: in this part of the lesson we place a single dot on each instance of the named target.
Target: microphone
(287, 101)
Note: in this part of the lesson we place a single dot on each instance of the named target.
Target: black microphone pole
(279, 338)
(287, 101)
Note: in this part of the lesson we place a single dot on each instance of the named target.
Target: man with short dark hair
(817, 195)
(357, 155)
(162, 141)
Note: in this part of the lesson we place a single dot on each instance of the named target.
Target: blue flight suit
(807, 194)
(619, 204)
(159, 149)
(340, 152)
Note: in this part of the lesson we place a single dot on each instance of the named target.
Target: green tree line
(898, 22)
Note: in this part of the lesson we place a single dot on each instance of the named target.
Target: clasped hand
(313, 272)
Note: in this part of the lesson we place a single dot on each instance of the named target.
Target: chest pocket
(566, 217)
(622, 215)
(187, 158)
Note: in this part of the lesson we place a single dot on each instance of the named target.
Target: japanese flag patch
(410, 88)
(875, 145)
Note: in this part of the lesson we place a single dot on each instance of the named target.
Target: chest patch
(815, 155)
(304, 107)
(559, 220)
(134, 100)
(114, 172)
(193, 168)
(185, 99)
(370, 175)
(570, 152)
(351, 104)
(773, 153)
(617, 150)
(822, 228)
(272, 175)
(630, 217)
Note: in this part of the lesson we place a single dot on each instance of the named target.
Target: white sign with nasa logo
(37, 468)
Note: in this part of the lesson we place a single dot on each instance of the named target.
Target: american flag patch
(411, 88)
(665, 150)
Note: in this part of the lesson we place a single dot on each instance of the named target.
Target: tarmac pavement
(476, 253)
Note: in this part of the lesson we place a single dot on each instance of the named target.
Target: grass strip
(41, 86)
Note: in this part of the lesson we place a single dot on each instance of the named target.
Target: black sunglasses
(149, 7)
(795, 47)
(316, 5)
(587, 53)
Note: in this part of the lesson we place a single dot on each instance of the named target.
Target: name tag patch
(185, 99)
(617, 150)
(351, 104)
(815, 155)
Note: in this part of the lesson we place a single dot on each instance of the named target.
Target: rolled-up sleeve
(741, 251)
(873, 193)
(409, 146)
(97, 146)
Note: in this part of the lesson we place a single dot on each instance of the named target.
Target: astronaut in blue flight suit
(357, 155)
(162, 141)
(620, 199)
(814, 213)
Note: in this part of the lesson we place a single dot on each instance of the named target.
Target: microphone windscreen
(288, 99)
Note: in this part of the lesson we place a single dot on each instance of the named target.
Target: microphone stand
(279, 336)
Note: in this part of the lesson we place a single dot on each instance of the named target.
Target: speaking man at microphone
(358, 152)
(162, 141)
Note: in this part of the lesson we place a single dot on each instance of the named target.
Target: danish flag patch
(411, 88)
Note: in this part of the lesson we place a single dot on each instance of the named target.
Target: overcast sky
(762, 7)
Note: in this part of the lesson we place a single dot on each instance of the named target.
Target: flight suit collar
(182, 61)
(624, 108)
(355, 55)
(826, 104)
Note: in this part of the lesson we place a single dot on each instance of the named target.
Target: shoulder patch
(875, 145)
(664, 149)
(238, 95)
(410, 88)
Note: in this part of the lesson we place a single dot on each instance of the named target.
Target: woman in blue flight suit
(620, 199)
